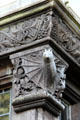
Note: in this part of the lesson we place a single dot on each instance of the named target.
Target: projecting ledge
(39, 99)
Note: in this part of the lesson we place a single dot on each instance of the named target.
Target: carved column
(38, 83)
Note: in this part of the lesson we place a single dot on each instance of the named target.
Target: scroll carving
(25, 32)
(39, 70)
(65, 38)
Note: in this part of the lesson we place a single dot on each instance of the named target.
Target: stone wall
(75, 112)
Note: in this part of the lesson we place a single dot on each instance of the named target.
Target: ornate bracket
(39, 79)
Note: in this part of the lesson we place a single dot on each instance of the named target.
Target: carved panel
(65, 37)
(25, 31)
(33, 73)
(29, 30)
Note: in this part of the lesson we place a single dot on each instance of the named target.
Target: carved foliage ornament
(25, 32)
(39, 70)
(67, 39)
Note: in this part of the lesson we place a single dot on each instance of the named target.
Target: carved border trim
(25, 47)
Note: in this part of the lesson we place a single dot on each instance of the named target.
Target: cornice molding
(69, 16)
(33, 9)
(37, 29)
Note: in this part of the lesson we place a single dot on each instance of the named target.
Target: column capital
(39, 79)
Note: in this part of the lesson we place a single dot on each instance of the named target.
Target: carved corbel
(39, 79)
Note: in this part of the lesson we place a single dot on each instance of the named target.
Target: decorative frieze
(65, 37)
(48, 24)
(25, 31)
